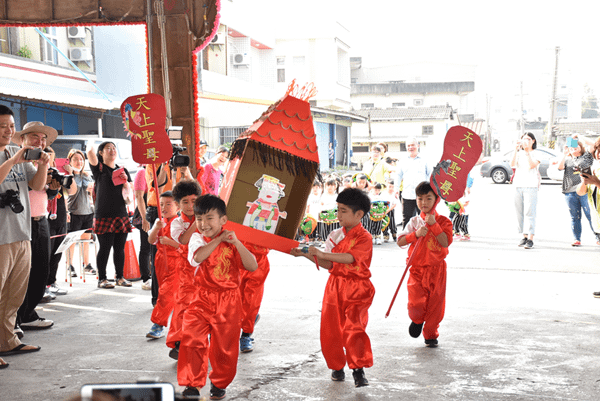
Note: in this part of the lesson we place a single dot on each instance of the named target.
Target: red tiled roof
(287, 125)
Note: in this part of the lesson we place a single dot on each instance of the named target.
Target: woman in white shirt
(527, 183)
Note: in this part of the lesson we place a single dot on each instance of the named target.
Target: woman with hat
(111, 224)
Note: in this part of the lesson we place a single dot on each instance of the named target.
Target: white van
(64, 143)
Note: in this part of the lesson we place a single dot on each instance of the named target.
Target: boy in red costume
(216, 307)
(182, 228)
(166, 272)
(252, 288)
(427, 281)
(349, 292)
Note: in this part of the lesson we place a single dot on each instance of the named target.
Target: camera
(11, 199)
(63, 179)
(179, 160)
(32, 154)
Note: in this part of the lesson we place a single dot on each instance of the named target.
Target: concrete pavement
(520, 325)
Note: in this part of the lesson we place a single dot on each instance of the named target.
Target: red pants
(184, 297)
(252, 288)
(344, 319)
(427, 297)
(218, 314)
(167, 289)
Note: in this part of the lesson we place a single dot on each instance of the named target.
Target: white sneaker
(39, 324)
(378, 241)
(147, 285)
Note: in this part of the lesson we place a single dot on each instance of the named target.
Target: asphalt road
(520, 325)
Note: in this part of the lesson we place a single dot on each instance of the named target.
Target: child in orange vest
(349, 291)
(427, 281)
(166, 271)
(216, 307)
(185, 193)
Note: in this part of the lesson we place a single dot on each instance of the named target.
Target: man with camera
(16, 176)
(37, 136)
(167, 173)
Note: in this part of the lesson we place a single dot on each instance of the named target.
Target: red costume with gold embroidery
(348, 296)
(216, 309)
(427, 281)
(252, 286)
(186, 280)
(168, 278)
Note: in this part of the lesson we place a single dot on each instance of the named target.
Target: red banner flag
(144, 117)
(462, 148)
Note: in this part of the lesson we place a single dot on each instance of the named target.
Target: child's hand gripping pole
(305, 250)
(408, 264)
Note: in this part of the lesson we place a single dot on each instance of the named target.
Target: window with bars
(428, 130)
(230, 134)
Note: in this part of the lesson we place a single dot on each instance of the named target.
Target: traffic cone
(131, 270)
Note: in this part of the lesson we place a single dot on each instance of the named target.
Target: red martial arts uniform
(166, 273)
(252, 286)
(186, 280)
(216, 309)
(348, 296)
(427, 280)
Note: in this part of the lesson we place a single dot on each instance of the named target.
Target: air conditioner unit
(80, 54)
(76, 32)
(219, 39)
(241, 59)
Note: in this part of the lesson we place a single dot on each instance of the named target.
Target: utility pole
(551, 133)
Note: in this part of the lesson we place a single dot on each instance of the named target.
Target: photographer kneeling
(16, 176)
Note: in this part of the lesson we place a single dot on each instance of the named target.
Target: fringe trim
(279, 160)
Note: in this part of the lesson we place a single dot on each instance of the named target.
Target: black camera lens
(11, 199)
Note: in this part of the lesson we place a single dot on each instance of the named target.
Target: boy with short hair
(216, 307)
(349, 291)
(166, 272)
(185, 193)
(427, 280)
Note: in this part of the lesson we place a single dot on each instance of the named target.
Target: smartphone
(572, 142)
(32, 154)
(587, 171)
(130, 391)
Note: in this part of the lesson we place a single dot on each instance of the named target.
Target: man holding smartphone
(36, 135)
(16, 175)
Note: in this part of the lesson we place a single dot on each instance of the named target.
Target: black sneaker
(174, 353)
(432, 343)
(191, 392)
(415, 329)
(529, 244)
(73, 272)
(597, 294)
(338, 375)
(216, 393)
(359, 378)
(523, 242)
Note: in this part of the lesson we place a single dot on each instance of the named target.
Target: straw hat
(38, 128)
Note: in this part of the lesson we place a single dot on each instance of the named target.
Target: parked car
(498, 167)
(64, 143)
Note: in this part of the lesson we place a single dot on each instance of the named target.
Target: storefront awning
(68, 97)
